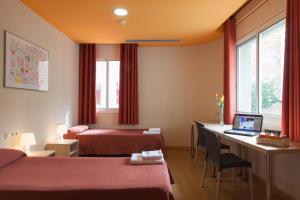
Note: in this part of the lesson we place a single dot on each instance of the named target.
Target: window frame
(107, 109)
(255, 35)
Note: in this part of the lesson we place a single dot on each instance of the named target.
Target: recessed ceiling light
(120, 12)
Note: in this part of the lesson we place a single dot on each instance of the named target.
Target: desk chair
(201, 141)
(223, 161)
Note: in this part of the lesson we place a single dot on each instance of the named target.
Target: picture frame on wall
(26, 64)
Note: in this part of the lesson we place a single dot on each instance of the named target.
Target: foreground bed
(115, 141)
(49, 178)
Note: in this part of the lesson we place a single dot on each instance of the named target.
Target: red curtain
(229, 70)
(291, 77)
(128, 101)
(87, 84)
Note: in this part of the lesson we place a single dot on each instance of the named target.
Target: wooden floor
(187, 175)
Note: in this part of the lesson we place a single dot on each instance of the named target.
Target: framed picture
(26, 64)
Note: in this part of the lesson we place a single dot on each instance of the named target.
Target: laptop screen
(248, 122)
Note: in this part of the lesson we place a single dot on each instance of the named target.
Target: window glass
(113, 85)
(247, 92)
(107, 84)
(101, 84)
(271, 59)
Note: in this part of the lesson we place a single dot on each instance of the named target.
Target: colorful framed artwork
(26, 64)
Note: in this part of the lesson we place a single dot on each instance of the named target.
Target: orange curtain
(128, 101)
(87, 84)
(229, 70)
(291, 77)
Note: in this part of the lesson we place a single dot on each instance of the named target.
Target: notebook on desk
(247, 125)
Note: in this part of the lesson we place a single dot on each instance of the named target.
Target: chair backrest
(201, 135)
(213, 147)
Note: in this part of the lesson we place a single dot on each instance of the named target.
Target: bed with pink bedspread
(114, 141)
(64, 178)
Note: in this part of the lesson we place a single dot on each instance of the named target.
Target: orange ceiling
(93, 21)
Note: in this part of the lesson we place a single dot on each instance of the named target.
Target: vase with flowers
(220, 105)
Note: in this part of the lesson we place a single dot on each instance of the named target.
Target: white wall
(34, 111)
(176, 84)
(108, 51)
(287, 176)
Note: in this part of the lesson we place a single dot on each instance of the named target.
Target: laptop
(246, 124)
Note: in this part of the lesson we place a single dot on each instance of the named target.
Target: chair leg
(212, 171)
(204, 172)
(196, 153)
(233, 176)
(251, 184)
(218, 185)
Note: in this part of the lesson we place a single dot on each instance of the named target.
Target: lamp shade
(61, 129)
(27, 139)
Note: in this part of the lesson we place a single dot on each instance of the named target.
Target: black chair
(222, 160)
(201, 142)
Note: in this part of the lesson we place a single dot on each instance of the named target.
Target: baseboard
(276, 190)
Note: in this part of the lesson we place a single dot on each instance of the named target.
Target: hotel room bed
(65, 178)
(115, 141)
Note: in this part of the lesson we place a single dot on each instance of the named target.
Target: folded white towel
(154, 129)
(148, 132)
(136, 159)
(152, 155)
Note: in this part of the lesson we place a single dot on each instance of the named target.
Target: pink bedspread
(50, 178)
(116, 141)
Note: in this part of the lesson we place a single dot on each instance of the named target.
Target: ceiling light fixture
(120, 12)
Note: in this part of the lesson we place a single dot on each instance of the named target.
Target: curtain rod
(251, 11)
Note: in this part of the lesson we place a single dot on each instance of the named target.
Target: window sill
(107, 110)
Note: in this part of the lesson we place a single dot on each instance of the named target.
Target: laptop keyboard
(242, 132)
(238, 132)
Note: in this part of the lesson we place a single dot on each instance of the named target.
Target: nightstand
(42, 154)
(64, 147)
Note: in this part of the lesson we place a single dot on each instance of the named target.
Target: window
(247, 88)
(260, 72)
(107, 84)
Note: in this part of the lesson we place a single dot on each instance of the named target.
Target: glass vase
(221, 112)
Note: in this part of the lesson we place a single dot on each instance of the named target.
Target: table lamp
(27, 140)
(61, 130)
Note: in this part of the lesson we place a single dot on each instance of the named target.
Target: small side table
(42, 154)
(64, 147)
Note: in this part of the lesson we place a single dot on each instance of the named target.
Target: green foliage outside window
(270, 96)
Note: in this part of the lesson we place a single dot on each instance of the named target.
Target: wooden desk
(250, 142)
